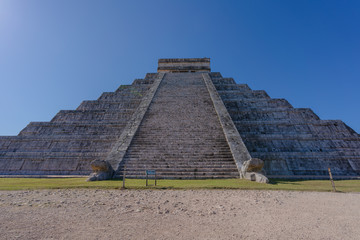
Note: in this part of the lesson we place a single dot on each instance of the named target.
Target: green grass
(275, 184)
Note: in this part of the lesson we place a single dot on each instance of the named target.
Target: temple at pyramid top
(184, 65)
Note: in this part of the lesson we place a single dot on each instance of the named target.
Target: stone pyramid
(184, 122)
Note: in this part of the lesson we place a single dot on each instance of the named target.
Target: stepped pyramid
(185, 122)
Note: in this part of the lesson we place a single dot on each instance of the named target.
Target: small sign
(150, 172)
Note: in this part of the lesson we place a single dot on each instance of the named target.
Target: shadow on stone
(102, 171)
(252, 170)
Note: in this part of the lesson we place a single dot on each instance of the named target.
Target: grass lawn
(275, 184)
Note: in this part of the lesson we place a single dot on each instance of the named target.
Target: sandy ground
(170, 214)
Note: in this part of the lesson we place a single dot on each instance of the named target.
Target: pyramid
(185, 122)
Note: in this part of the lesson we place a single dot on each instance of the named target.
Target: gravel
(178, 214)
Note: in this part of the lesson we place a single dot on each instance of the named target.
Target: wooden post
(155, 178)
(332, 180)
(124, 176)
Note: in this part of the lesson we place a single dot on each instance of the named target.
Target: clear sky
(55, 54)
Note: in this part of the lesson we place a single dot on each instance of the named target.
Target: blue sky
(55, 54)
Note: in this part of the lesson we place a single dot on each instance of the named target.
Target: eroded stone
(102, 171)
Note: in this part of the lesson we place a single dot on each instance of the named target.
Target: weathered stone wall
(184, 65)
(291, 141)
(73, 138)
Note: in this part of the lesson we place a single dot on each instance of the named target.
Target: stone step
(42, 173)
(298, 137)
(179, 161)
(92, 116)
(276, 134)
(167, 164)
(45, 143)
(91, 148)
(184, 153)
(177, 146)
(173, 172)
(325, 150)
(240, 88)
(131, 94)
(133, 87)
(175, 139)
(180, 137)
(319, 128)
(230, 85)
(176, 169)
(184, 177)
(242, 93)
(274, 114)
(44, 155)
(211, 133)
(46, 164)
(330, 156)
(111, 105)
(218, 80)
(175, 151)
(170, 155)
(114, 97)
(145, 82)
(56, 137)
(52, 128)
(253, 103)
(336, 123)
(181, 129)
(179, 169)
(173, 143)
(299, 145)
(90, 124)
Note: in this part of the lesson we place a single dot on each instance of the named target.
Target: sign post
(150, 172)
(124, 176)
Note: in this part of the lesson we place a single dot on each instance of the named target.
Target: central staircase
(180, 136)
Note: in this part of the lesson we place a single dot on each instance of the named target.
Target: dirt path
(170, 214)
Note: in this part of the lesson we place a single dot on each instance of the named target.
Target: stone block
(102, 170)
